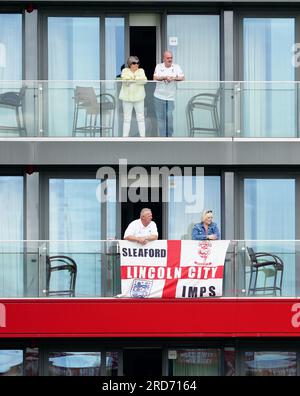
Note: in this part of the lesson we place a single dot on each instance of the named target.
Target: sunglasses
(135, 63)
(208, 211)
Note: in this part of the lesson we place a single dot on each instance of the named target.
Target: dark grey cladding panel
(13, 151)
(136, 152)
(277, 152)
(152, 152)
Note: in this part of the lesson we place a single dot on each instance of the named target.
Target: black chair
(61, 263)
(93, 113)
(200, 103)
(14, 101)
(271, 266)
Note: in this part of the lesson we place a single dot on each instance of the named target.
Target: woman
(206, 230)
(133, 94)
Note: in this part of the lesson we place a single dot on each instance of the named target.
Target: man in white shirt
(166, 74)
(142, 230)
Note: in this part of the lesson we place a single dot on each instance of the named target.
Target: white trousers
(139, 111)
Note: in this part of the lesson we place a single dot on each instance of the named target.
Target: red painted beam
(214, 317)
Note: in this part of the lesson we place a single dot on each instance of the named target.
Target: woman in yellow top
(133, 94)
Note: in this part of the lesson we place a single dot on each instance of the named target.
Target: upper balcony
(92, 109)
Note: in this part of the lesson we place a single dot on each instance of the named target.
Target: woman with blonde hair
(207, 229)
(133, 94)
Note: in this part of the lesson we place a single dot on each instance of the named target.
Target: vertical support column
(31, 45)
(227, 73)
(227, 203)
(30, 74)
(31, 249)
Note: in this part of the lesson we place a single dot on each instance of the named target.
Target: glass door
(269, 94)
(195, 43)
(269, 207)
(81, 51)
(78, 221)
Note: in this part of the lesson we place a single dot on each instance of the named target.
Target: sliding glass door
(269, 94)
(78, 221)
(81, 51)
(269, 208)
(195, 43)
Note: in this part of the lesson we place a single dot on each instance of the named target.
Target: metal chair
(93, 108)
(271, 266)
(14, 101)
(205, 102)
(61, 263)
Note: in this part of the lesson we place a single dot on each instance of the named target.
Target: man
(166, 74)
(142, 230)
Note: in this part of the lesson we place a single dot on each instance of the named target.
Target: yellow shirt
(133, 89)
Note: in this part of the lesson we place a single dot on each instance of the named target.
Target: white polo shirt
(137, 229)
(166, 90)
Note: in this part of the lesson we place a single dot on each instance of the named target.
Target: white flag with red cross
(172, 269)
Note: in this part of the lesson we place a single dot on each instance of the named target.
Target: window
(269, 108)
(195, 362)
(10, 47)
(184, 212)
(11, 220)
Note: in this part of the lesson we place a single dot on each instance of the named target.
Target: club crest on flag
(140, 288)
(204, 251)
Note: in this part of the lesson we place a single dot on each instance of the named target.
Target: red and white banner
(173, 269)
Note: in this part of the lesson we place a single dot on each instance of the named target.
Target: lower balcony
(80, 289)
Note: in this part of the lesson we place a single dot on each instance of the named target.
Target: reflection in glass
(11, 220)
(269, 109)
(10, 47)
(11, 362)
(270, 363)
(112, 363)
(32, 362)
(114, 47)
(196, 362)
(229, 361)
(184, 212)
(73, 54)
(74, 363)
(10, 64)
(75, 214)
(197, 36)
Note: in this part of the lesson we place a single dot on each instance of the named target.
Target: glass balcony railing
(84, 109)
(91, 269)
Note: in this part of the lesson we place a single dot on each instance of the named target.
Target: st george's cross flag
(172, 269)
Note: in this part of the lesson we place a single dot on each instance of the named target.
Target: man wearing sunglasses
(166, 74)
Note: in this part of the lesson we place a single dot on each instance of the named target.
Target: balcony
(29, 309)
(24, 269)
(92, 109)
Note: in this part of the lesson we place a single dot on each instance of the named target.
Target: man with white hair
(142, 230)
(166, 74)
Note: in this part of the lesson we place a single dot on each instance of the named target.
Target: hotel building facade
(236, 119)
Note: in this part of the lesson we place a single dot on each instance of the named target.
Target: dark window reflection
(31, 362)
(112, 363)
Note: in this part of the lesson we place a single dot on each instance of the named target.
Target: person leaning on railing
(133, 94)
(142, 230)
(207, 229)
